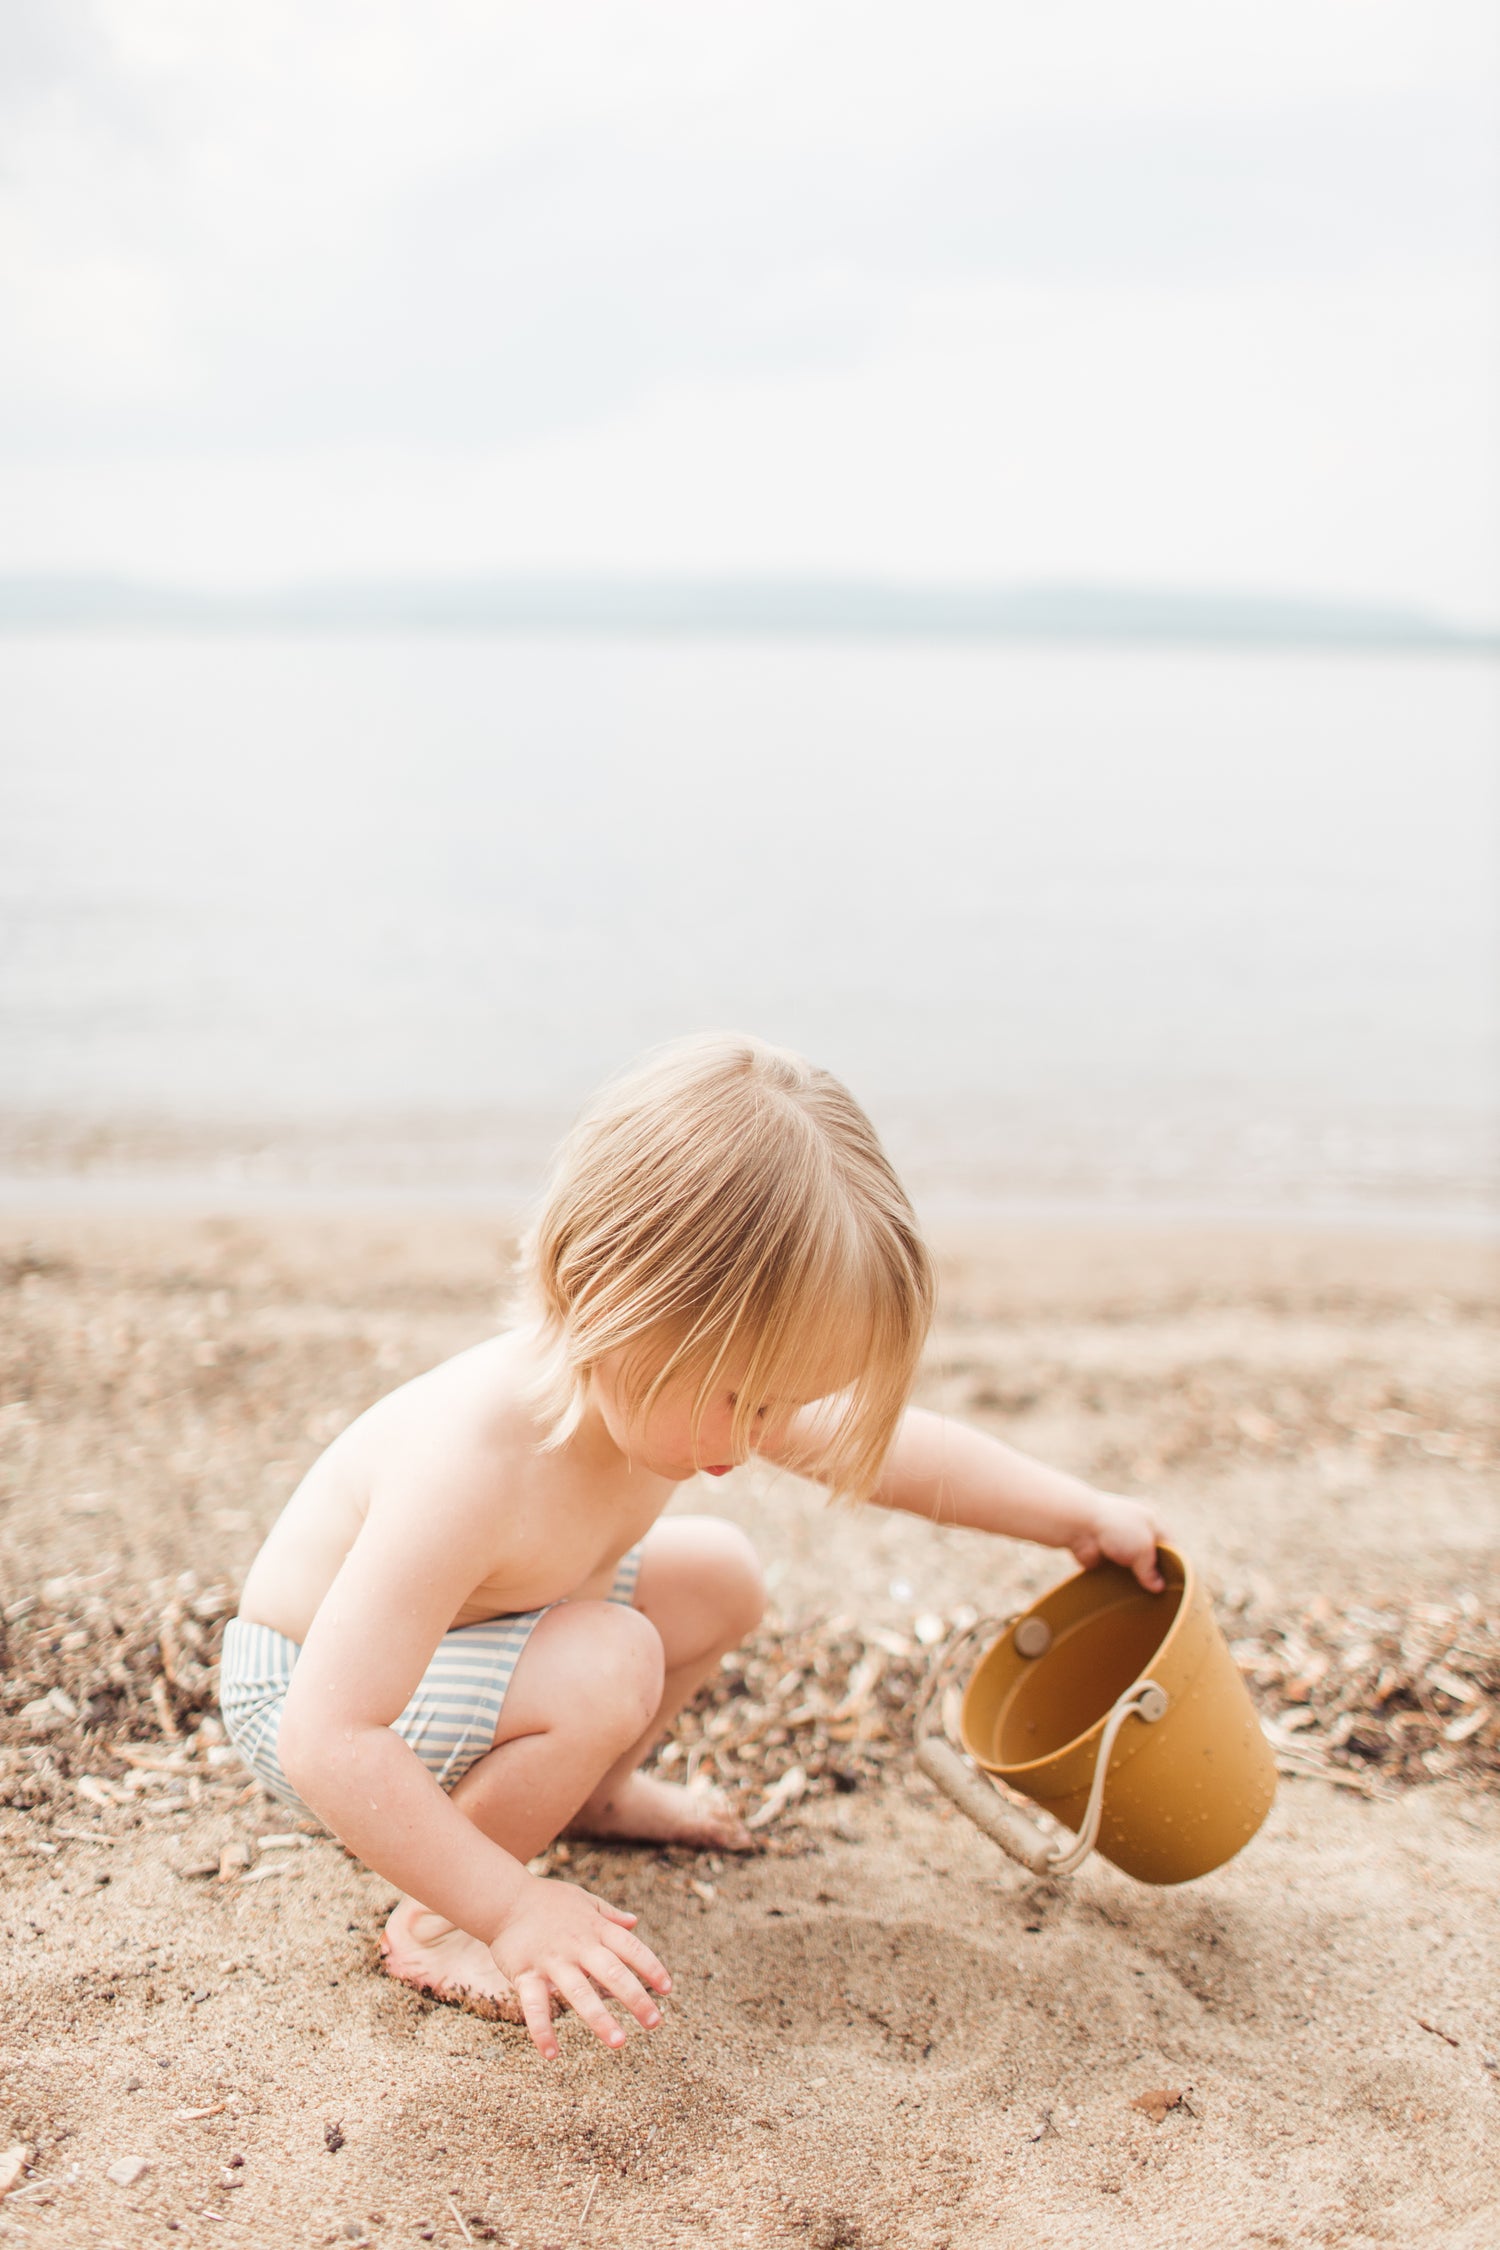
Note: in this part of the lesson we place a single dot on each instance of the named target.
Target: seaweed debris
(110, 1699)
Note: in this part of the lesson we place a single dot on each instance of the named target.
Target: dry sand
(882, 2033)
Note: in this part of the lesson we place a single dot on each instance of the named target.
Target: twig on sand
(459, 2218)
(33, 2187)
(1309, 1765)
(148, 1760)
(12, 2166)
(588, 2203)
(1437, 2031)
(786, 1791)
(645, 2148)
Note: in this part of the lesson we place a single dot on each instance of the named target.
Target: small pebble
(132, 2085)
(127, 2170)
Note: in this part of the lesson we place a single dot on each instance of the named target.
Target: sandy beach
(883, 2033)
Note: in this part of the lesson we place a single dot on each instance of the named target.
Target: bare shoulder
(468, 1418)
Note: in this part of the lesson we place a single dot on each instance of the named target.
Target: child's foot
(422, 1950)
(643, 1810)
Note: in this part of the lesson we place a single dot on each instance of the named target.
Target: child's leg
(585, 1684)
(700, 1586)
(595, 1687)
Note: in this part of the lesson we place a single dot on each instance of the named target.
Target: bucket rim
(1014, 1773)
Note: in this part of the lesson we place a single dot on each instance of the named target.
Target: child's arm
(397, 1593)
(957, 1475)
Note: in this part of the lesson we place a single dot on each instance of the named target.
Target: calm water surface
(1074, 922)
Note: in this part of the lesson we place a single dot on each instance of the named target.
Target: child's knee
(733, 1568)
(619, 1657)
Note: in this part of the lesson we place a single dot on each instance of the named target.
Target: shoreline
(189, 1193)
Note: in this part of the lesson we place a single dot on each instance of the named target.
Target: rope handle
(976, 1795)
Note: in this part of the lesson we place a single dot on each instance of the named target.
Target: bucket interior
(1059, 1696)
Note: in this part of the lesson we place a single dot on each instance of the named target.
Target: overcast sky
(1167, 293)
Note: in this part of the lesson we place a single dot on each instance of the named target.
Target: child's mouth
(722, 1470)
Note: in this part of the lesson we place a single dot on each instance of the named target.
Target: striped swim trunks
(449, 1722)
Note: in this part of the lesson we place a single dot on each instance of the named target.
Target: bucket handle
(975, 1794)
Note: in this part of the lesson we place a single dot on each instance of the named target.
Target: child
(469, 1625)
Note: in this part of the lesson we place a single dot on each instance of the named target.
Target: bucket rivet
(1153, 1704)
(1033, 1636)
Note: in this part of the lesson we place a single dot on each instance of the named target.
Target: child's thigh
(700, 1584)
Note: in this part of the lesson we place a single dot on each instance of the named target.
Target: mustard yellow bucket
(1120, 1713)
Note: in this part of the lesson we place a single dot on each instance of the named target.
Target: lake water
(1079, 925)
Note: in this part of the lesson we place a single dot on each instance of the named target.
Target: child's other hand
(1121, 1531)
(559, 1938)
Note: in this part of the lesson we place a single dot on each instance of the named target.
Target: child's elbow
(302, 1749)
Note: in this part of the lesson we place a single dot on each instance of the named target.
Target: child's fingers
(618, 1914)
(1140, 1561)
(1147, 1564)
(622, 1984)
(536, 2007)
(639, 1955)
(585, 2002)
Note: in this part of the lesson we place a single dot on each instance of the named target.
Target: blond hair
(727, 1205)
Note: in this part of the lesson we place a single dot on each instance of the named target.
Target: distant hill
(821, 607)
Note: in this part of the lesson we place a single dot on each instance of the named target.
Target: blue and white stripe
(449, 1722)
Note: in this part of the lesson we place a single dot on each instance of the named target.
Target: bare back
(453, 1458)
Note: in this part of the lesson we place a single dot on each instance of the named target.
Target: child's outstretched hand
(1121, 1531)
(560, 1938)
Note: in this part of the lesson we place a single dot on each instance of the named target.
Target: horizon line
(737, 603)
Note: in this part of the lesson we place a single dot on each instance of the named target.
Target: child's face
(660, 1437)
